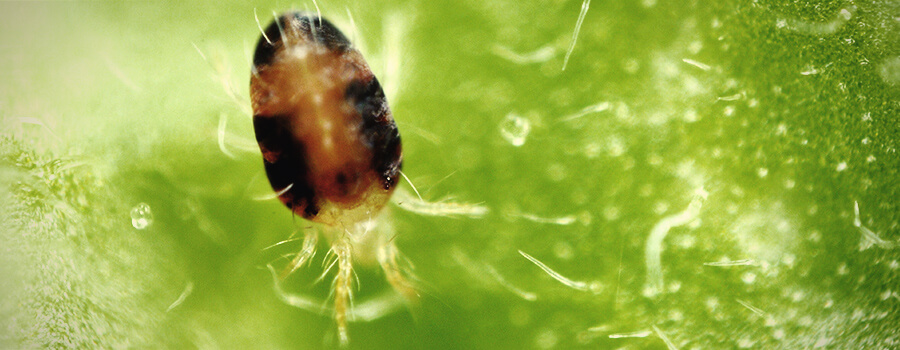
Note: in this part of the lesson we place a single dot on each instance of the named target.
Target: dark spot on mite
(290, 167)
(346, 182)
(343, 183)
(311, 210)
(313, 28)
(341, 179)
(378, 130)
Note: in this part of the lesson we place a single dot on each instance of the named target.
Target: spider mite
(330, 146)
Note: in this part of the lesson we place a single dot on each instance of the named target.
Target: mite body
(330, 146)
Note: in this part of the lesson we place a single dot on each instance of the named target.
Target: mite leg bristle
(380, 306)
(578, 285)
(343, 287)
(271, 196)
(222, 75)
(330, 261)
(203, 56)
(584, 8)
(284, 39)
(543, 54)
(261, 30)
(354, 35)
(312, 26)
(388, 257)
(396, 27)
(295, 300)
(289, 240)
(425, 134)
(318, 12)
(181, 298)
(441, 208)
(306, 253)
(223, 126)
(665, 339)
(411, 185)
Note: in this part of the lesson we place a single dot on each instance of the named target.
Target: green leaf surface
(702, 175)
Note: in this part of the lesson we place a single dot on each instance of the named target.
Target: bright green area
(783, 114)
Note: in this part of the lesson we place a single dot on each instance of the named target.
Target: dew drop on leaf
(515, 129)
(141, 216)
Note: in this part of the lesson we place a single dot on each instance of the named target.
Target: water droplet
(748, 277)
(845, 14)
(616, 147)
(762, 172)
(778, 334)
(728, 111)
(660, 207)
(815, 236)
(809, 70)
(645, 190)
(592, 150)
(141, 216)
(712, 303)
(611, 213)
(515, 129)
(781, 129)
(691, 116)
(841, 166)
(631, 66)
(623, 112)
(676, 315)
(789, 260)
(695, 47)
(563, 250)
(675, 286)
(585, 217)
(842, 269)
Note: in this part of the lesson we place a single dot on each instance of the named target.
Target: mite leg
(388, 257)
(307, 251)
(343, 286)
(440, 208)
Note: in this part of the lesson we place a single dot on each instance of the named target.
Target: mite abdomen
(329, 142)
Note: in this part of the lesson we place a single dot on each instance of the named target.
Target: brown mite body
(330, 146)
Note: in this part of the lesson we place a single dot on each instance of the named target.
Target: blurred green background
(117, 198)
